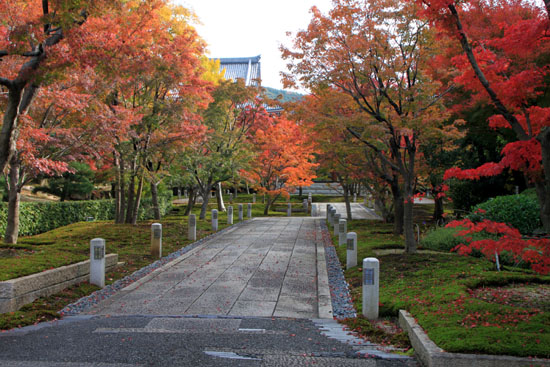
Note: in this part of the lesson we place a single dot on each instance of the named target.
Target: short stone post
(305, 204)
(192, 227)
(289, 210)
(249, 211)
(330, 214)
(214, 220)
(97, 262)
(342, 232)
(254, 198)
(240, 212)
(328, 211)
(371, 281)
(229, 215)
(354, 198)
(313, 210)
(365, 200)
(156, 240)
(351, 253)
(179, 193)
(335, 220)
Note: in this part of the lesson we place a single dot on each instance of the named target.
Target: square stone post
(249, 211)
(179, 193)
(371, 283)
(342, 232)
(355, 197)
(351, 253)
(240, 212)
(230, 215)
(305, 204)
(192, 227)
(97, 262)
(335, 221)
(214, 220)
(254, 198)
(289, 210)
(313, 210)
(328, 211)
(156, 240)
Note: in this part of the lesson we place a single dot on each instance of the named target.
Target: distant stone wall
(15, 293)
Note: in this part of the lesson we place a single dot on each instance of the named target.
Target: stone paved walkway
(358, 211)
(263, 267)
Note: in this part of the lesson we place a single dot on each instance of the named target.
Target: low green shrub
(518, 211)
(445, 239)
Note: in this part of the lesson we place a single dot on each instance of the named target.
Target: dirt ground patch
(519, 295)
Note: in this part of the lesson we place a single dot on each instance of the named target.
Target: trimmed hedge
(35, 218)
(519, 211)
(444, 239)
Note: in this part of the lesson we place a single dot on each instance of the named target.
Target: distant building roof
(247, 68)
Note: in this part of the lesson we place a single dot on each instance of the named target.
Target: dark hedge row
(35, 218)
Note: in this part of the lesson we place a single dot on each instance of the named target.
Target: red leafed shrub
(535, 252)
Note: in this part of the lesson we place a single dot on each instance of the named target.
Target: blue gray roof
(247, 68)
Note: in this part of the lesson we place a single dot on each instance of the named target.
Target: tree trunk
(346, 199)
(269, 203)
(9, 125)
(219, 197)
(205, 194)
(438, 209)
(130, 198)
(398, 208)
(155, 200)
(543, 186)
(119, 190)
(408, 221)
(14, 197)
(191, 201)
(137, 200)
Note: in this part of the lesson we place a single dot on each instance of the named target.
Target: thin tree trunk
(269, 203)
(408, 221)
(219, 197)
(137, 200)
(191, 201)
(155, 200)
(438, 209)
(346, 199)
(398, 208)
(14, 197)
(9, 124)
(543, 186)
(130, 198)
(205, 194)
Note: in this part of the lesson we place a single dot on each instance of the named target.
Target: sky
(245, 28)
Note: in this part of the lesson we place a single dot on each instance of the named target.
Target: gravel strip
(342, 306)
(87, 302)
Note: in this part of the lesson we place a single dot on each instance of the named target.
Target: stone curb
(324, 300)
(433, 356)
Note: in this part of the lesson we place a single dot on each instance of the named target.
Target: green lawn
(444, 293)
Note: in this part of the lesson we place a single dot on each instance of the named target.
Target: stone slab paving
(265, 267)
(358, 211)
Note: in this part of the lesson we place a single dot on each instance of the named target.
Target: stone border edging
(433, 356)
(17, 292)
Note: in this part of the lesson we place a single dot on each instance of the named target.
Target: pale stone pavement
(263, 267)
(358, 211)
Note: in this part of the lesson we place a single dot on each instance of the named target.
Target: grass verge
(442, 291)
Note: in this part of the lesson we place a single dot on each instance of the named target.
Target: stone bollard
(365, 200)
(179, 193)
(305, 204)
(371, 281)
(254, 198)
(230, 215)
(354, 198)
(192, 227)
(313, 210)
(289, 210)
(97, 262)
(335, 220)
(156, 240)
(249, 211)
(214, 220)
(330, 214)
(240, 212)
(342, 232)
(351, 253)
(328, 211)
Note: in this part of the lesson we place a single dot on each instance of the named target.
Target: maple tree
(33, 48)
(377, 52)
(500, 56)
(283, 159)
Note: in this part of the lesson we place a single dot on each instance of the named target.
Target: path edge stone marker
(97, 262)
(371, 281)
(229, 215)
(214, 220)
(351, 252)
(192, 227)
(342, 232)
(156, 240)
